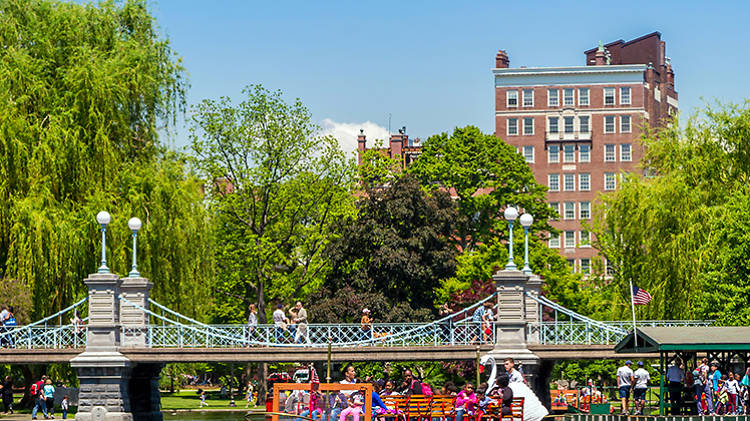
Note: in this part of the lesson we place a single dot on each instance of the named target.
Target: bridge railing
(584, 333)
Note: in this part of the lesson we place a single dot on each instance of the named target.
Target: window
(610, 153)
(609, 96)
(625, 154)
(570, 210)
(528, 98)
(586, 266)
(554, 241)
(572, 265)
(555, 207)
(528, 153)
(624, 96)
(583, 96)
(569, 182)
(569, 153)
(528, 125)
(570, 240)
(512, 98)
(585, 239)
(553, 181)
(553, 154)
(609, 270)
(553, 97)
(568, 124)
(584, 181)
(512, 126)
(553, 124)
(584, 153)
(569, 97)
(610, 181)
(583, 124)
(609, 124)
(584, 210)
(624, 124)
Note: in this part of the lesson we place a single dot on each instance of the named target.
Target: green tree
(84, 90)
(275, 187)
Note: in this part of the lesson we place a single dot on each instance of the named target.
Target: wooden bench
(417, 407)
(395, 403)
(494, 410)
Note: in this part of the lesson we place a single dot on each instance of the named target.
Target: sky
(427, 65)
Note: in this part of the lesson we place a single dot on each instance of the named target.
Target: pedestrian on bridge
(279, 322)
(365, 325)
(301, 321)
(252, 322)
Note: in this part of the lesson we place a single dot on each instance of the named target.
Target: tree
(84, 90)
(485, 174)
(394, 253)
(275, 187)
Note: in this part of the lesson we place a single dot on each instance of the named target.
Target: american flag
(640, 296)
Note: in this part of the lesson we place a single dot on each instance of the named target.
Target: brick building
(577, 126)
(400, 147)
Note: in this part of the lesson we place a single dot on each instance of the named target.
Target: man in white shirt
(514, 375)
(624, 383)
(279, 321)
(641, 378)
(675, 377)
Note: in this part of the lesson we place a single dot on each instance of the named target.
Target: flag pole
(632, 306)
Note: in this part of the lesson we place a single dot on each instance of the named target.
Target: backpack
(11, 321)
(35, 389)
(426, 389)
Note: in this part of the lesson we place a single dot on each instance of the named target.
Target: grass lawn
(189, 399)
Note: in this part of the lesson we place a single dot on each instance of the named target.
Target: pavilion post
(661, 383)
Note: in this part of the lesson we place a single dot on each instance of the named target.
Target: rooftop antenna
(389, 124)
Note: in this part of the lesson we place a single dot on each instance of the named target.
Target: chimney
(361, 145)
(670, 73)
(501, 60)
(397, 144)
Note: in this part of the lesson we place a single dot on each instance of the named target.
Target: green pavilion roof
(685, 338)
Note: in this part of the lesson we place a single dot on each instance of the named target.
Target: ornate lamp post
(103, 219)
(134, 224)
(510, 214)
(526, 221)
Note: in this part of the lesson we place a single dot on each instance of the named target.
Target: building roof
(686, 338)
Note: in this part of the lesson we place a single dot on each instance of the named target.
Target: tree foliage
(83, 91)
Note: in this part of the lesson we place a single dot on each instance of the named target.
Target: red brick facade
(400, 147)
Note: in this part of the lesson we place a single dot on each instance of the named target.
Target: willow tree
(84, 90)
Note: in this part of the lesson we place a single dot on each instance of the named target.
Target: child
(203, 398)
(732, 389)
(483, 402)
(722, 397)
(64, 407)
(315, 411)
(354, 409)
(465, 402)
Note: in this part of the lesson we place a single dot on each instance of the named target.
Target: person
(9, 323)
(714, 377)
(445, 325)
(514, 375)
(355, 407)
(410, 385)
(732, 391)
(279, 322)
(249, 395)
(675, 377)
(388, 389)
(483, 402)
(466, 400)
(477, 319)
(78, 329)
(337, 402)
(301, 321)
(641, 378)
(290, 322)
(315, 410)
(448, 389)
(721, 401)
(503, 382)
(37, 394)
(7, 393)
(3, 330)
(698, 385)
(743, 393)
(49, 397)
(350, 377)
(252, 322)
(365, 325)
(64, 407)
(487, 324)
(203, 398)
(624, 383)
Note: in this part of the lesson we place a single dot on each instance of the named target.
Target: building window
(584, 153)
(624, 124)
(554, 241)
(609, 270)
(512, 126)
(583, 96)
(624, 96)
(570, 210)
(528, 153)
(586, 266)
(625, 154)
(570, 241)
(528, 125)
(553, 128)
(569, 153)
(609, 96)
(568, 124)
(584, 181)
(569, 182)
(512, 98)
(553, 154)
(572, 265)
(555, 207)
(610, 181)
(569, 97)
(553, 97)
(553, 181)
(610, 154)
(528, 98)
(609, 124)
(585, 239)
(584, 210)
(583, 124)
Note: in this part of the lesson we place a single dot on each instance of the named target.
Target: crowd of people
(43, 395)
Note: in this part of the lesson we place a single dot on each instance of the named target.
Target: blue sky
(428, 63)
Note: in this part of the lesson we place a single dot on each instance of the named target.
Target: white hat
(365, 310)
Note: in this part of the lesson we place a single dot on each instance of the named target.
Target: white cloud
(347, 133)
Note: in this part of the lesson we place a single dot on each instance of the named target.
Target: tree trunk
(261, 302)
(262, 386)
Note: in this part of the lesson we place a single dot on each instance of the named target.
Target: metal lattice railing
(41, 334)
(575, 332)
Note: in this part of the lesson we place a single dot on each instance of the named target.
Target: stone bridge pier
(515, 311)
(113, 388)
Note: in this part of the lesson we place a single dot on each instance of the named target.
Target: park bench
(443, 407)
(417, 407)
(493, 412)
